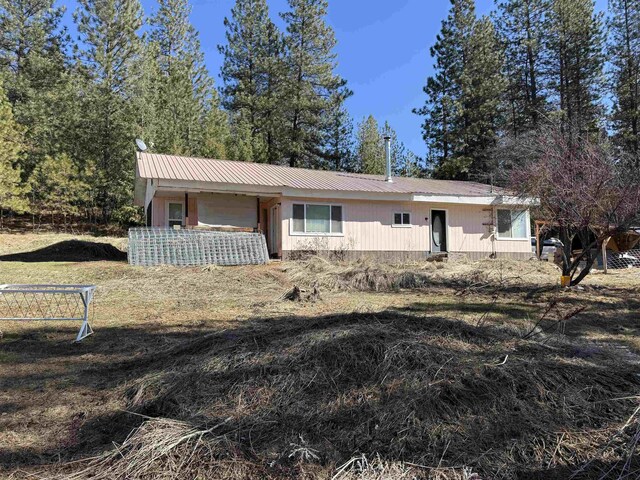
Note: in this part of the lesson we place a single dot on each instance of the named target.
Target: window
(317, 219)
(402, 219)
(512, 223)
(175, 213)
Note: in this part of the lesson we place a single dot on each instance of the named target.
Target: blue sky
(383, 51)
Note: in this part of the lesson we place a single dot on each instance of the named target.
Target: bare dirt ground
(467, 370)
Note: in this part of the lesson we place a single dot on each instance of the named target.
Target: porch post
(604, 254)
(186, 209)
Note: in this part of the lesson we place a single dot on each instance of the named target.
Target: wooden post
(538, 250)
(604, 254)
(186, 209)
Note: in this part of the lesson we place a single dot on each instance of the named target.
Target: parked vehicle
(548, 250)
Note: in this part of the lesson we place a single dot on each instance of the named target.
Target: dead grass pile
(159, 449)
(297, 398)
(361, 468)
(365, 275)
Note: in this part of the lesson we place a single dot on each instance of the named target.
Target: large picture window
(512, 224)
(317, 219)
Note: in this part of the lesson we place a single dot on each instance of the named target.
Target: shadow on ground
(411, 386)
(69, 251)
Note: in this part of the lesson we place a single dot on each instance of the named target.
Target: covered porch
(219, 211)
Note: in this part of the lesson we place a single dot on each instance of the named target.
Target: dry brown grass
(416, 371)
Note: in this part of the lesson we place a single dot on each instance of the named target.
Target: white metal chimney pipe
(387, 152)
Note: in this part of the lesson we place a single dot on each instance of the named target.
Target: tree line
(71, 108)
(528, 64)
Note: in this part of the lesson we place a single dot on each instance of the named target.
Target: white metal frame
(86, 293)
(316, 234)
(401, 225)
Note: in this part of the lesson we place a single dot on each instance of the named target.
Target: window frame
(317, 234)
(527, 224)
(401, 225)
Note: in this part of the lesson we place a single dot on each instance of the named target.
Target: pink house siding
(158, 209)
(367, 227)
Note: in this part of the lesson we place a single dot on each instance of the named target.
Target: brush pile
(365, 275)
(419, 395)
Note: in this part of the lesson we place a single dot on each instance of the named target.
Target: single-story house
(325, 211)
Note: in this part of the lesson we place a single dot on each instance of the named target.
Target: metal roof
(172, 167)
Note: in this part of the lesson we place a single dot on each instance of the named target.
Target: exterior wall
(209, 209)
(159, 213)
(368, 230)
(225, 210)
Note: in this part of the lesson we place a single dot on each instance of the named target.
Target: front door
(438, 231)
(274, 230)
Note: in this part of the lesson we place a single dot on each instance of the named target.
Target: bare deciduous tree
(585, 191)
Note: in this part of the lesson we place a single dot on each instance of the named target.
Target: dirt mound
(283, 398)
(69, 251)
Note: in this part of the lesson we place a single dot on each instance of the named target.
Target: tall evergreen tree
(461, 112)
(109, 33)
(624, 55)
(522, 31)
(12, 189)
(339, 141)
(33, 65)
(576, 62)
(252, 74)
(404, 163)
(370, 147)
(482, 86)
(185, 88)
(58, 187)
(310, 85)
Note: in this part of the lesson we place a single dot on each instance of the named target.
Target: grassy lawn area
(420, 371)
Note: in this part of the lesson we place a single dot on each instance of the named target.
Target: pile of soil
(69, 251)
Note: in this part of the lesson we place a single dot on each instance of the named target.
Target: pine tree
(185, 88)
(624, 54)
(370, 147)
(576, 62)
(252, 73)
(310, 84)
(146, 94)
(216, 134)
(108, 30)
(461, 112)
(339, 140)
(58, 187)
(482, 86)
(12, 189)
(34, 66)
(522, 31)
(404, 163)
(241, 145)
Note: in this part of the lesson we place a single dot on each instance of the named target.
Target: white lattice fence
(628, 259)
(48, 302)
